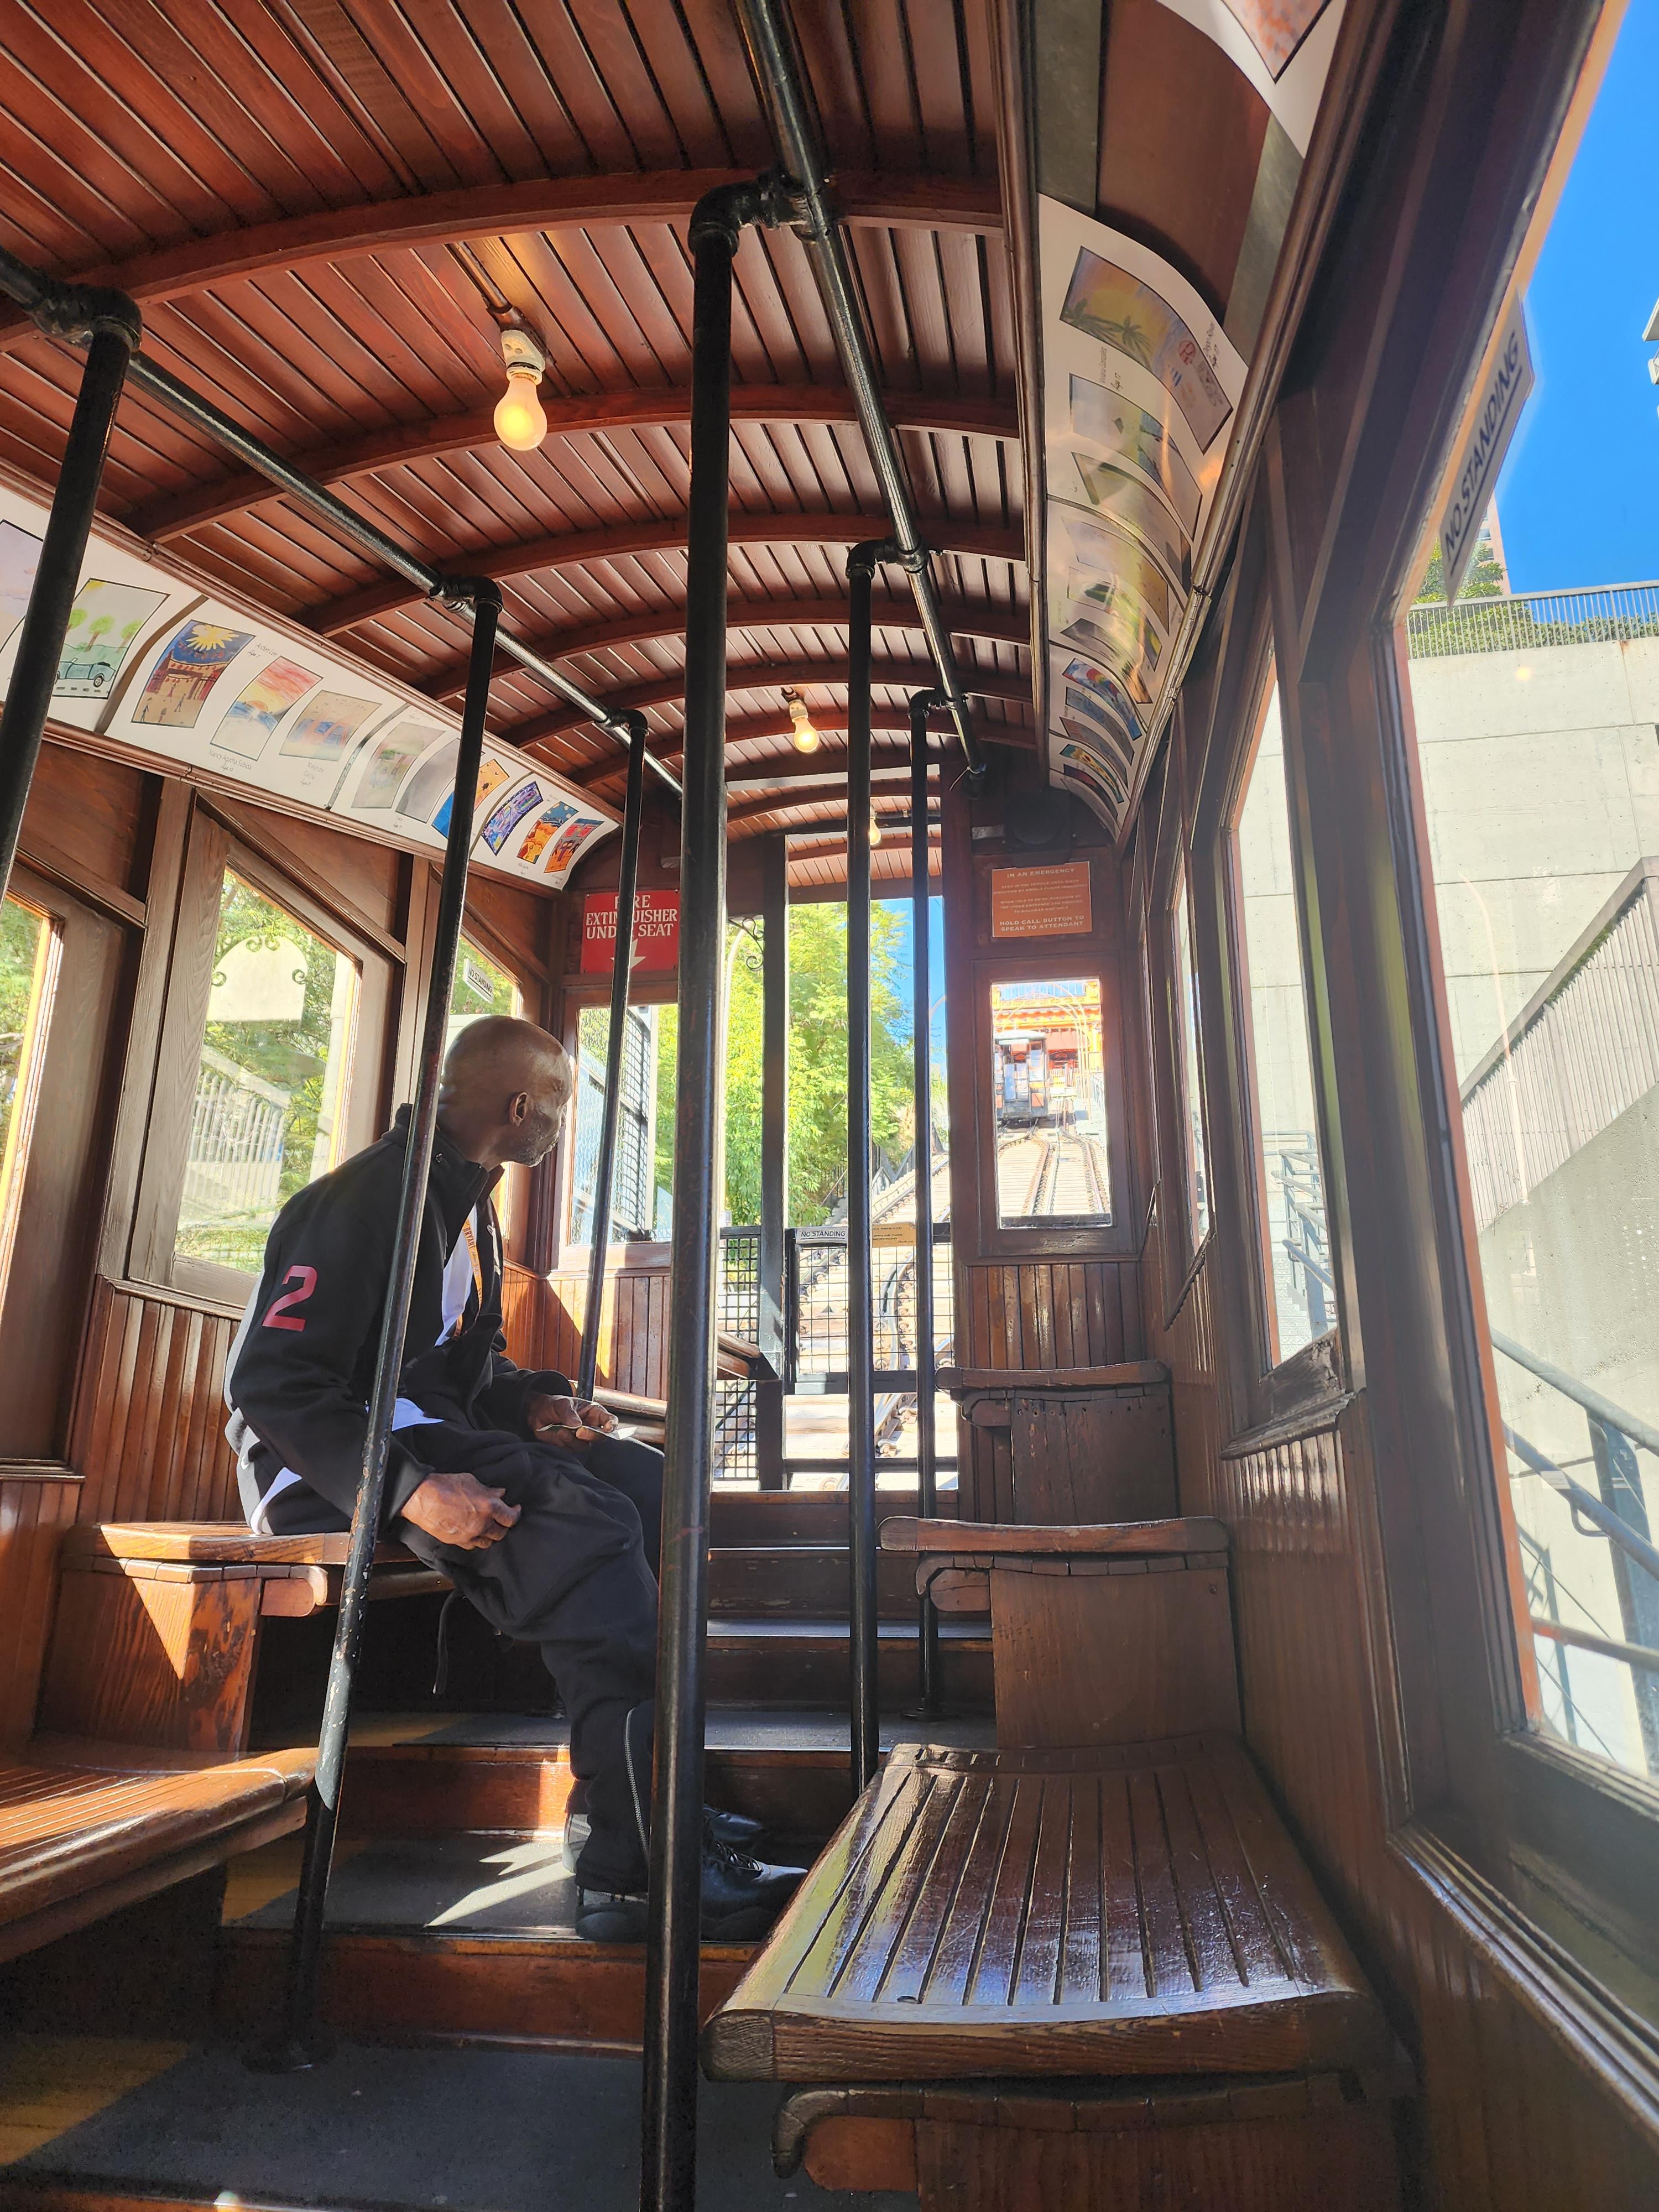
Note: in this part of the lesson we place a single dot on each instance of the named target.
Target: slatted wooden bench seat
(157, 1635)
(1134, 1914)
(1101, 1632)
(85, 1829)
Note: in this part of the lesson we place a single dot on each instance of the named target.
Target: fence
(1529, 620)
(1581, 1052)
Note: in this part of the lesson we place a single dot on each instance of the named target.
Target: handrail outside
(1525, 621)
(1599, 1408)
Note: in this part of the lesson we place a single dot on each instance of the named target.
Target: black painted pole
(669, 2117)
(866, 1652)
(774, 1153)
(921, 705)
(299, 2044)
(621, 970)
(113, 322)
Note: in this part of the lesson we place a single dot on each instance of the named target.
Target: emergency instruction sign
(656, 932)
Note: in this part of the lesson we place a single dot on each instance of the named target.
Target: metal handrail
(774, 57)
(1598, 1408)
(1527, 620)
(1585, 1502)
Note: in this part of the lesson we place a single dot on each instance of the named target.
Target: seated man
(544, 1521)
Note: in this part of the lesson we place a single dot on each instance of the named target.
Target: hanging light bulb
(875, 827)
(520, 418)
(803, 736)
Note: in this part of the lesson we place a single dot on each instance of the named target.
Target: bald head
(506, 1086)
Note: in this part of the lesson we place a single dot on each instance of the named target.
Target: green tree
(1484, 577)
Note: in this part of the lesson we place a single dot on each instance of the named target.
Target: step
(774, 1660)
(802, 1516)
(808, 1580)
(791, 1769)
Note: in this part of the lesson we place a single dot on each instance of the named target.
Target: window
(29, 972)
(641, 1204)
(1195, 1151)
(1534, 687)
(269, 1110)
(1048, 1081)
(1289, 1192)
(480, 987)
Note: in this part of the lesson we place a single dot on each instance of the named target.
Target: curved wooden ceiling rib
(889, 759)
(651, 534)
(665, 690)
(446, 434)
(969, 205)
(1001, 624)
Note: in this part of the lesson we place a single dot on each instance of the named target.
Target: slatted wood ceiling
(320, 201)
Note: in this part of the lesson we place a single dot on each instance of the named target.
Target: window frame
(581, 993)
(1039, 967)
(1355, 464)
(212, 847)
(33, 1052)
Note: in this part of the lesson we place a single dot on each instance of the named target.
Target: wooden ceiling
(321, 206)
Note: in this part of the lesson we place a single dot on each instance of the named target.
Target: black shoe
(741, 1898)
(736, 1829)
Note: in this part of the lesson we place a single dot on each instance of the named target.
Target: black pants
(576, 1574)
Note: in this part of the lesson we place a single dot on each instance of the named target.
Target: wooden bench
(157, 1636)
(1107, 1633)
(86, 1828)
(1116, 1948)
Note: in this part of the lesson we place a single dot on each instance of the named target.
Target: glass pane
(1048, 1069)
(642, 1188)
(29, 965)
(269, 1116)
(1535, 695)
(1195, 1150)
(1290, 1188)
(480, 987)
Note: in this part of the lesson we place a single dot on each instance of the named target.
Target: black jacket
(302, 1375)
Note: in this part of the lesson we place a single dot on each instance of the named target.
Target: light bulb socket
(523, 352)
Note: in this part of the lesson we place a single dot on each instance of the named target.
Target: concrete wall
(1542, 775)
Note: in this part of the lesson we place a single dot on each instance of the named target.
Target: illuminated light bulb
(804, 737)
(520, 418)
(875, 827)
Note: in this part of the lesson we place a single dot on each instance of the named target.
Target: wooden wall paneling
(361, 878)
(61, 1192)
(149, 1439)
(33, 1513)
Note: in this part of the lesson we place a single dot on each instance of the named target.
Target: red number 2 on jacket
(278, 1316)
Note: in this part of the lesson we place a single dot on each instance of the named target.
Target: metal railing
(1293, 1158)
(1529, 621)
(1580, 1053)
(1615, 1510)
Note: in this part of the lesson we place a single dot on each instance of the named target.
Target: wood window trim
(1354, 481)
(210, 848)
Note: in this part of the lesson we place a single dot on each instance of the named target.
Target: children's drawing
(327, 726)
(20, 556)
(389, 762)
(251, 717)
(1276, 28)
(193, 663)
(1114, 492)
(508, 814)
(541, 832)
(1105, 302)
(491, 776)
(1136, 440)
(102, 624)
(571, 841)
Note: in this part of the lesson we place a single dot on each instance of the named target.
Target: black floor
(464, 2130)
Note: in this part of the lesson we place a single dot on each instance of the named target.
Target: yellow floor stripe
(256, 1878)
(51, 2083)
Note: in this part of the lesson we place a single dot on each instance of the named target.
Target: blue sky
(1578, 499)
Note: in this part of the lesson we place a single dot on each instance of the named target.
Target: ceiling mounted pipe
(775, 58)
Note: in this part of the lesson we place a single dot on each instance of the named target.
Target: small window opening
(29, 949)
(1048, 1078)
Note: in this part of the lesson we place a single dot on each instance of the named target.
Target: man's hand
(460, 1510)
(563, 1422)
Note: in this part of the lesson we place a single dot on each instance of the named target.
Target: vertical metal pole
(299, 2044)
(669, 2130)
(775, 1151)
(622, 970)
(866, 1651)
(921, 705)
(58, 578)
